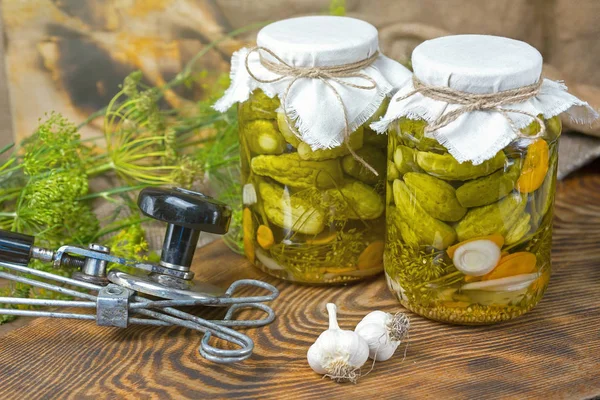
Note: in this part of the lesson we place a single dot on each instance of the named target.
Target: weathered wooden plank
(551, 352)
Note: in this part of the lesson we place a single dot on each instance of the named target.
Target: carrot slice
(534, 168)
(325, 238)
(264, 237)
(498, 239)
(513, 264)
(248, 229)
(372, 256)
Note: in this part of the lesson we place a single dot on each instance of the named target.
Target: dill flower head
(55, 144)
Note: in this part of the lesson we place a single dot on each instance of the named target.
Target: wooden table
(551, 352)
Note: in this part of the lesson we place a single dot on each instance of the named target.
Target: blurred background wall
(70, 55)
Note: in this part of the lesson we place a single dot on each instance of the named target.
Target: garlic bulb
(383, 333)
(338, 353)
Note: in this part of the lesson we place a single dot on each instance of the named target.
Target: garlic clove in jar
(338, 353)
(249, 194)
(383, 333)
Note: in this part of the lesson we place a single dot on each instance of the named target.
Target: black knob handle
(15, 247)
(187, 213)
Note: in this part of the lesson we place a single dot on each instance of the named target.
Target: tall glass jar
(469, 244)
(313, 171)
(472, 160)
(310, 216)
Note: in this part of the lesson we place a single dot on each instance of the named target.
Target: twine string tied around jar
(326, 75)
(478, 102)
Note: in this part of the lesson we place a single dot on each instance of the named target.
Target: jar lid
(475, 127)
(320, 40)
(320, 105)
(477, 63)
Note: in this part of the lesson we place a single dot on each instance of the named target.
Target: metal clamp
(112, 306)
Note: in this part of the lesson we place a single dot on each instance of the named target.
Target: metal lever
(187, 214)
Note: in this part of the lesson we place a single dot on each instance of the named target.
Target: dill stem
(443, 278)
(101, 169)
(5, 170)
(110, 192)
(91, 117)
(222, 162)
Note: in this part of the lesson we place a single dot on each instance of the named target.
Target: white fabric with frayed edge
(480, 64)
(311, 104)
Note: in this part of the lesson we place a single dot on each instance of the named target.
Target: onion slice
(476, 258)
(267, 261)
(508, 284)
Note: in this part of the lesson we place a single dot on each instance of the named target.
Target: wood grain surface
(551, 352)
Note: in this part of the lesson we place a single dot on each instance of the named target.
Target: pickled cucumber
(389, 195)
(263, 137)
(543, 197)
(519, 229)
(358, 200)
(412, 133)
(370, 136)
(553, 128)
(436, 197)
(392, 172)
(372, 156)
(405, 159)
(489, 189)
(494, 218)
(291, 212)
(290, 170)
(408, 235)
(380, 112)
(355, 142)
(374, 139)
(446, 167)
(429, 230)
(287, 129)
(258, 106)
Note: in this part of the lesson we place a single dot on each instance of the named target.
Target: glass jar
(310, 216)
(469, 244)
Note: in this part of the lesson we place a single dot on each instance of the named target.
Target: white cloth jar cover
(314, 108)
(480, 64)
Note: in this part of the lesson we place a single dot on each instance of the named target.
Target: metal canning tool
(116, 295)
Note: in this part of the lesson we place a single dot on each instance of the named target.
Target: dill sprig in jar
(472, 160)
(313, 171)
